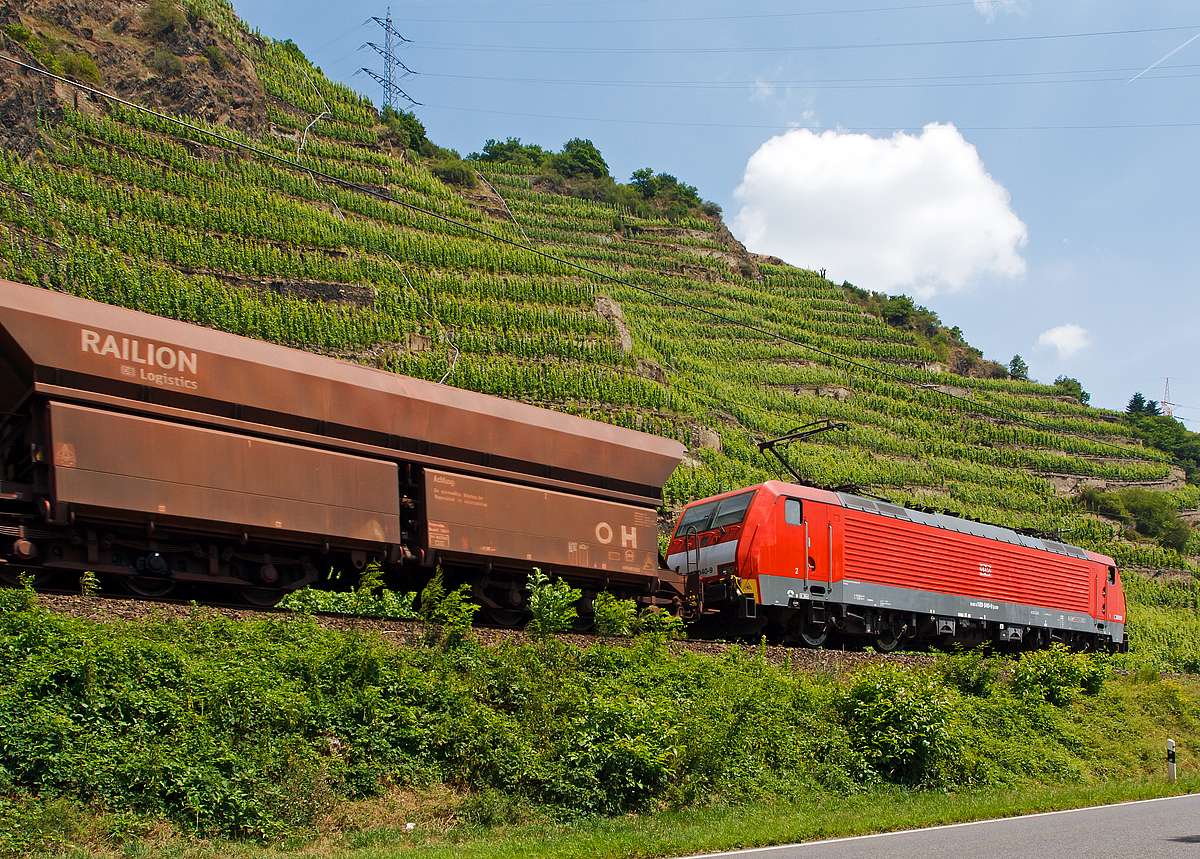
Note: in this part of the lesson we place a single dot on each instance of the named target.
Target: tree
(645, 182)
(1018, 369)
(1137, 404)
(1072, 388)
(898, 310)
(511, 151)
(579, 157)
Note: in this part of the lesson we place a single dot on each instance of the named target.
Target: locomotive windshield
(716, 514)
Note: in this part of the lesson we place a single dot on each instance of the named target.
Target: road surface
(1154, 828)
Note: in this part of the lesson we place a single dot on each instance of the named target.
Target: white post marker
(1171, 761)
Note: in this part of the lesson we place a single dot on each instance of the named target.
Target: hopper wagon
(155, 452)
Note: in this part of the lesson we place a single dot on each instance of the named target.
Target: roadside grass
(636, 836)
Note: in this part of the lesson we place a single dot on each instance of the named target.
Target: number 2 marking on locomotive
(985, 570)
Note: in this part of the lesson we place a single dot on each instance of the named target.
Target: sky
(1027, 169)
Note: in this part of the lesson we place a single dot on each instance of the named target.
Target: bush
(81, 67)
(454, 173)
(1057, 675)
(971, 672)
(161, 20)
(900, 719)
(166, 64)
(613, 616)
(368, 598)
(579, 158)
(405, 127)
(452, 612)
(216, 58)
(1151, 514)
(658, 625)
(552, 605)
(17, 33)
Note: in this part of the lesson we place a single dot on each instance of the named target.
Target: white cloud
(762, 90)
(989, 8)
(1067, 339)
(914, 212)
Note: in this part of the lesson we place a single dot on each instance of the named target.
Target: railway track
(109, 608)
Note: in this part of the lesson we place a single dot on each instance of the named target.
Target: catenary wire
(971, 404)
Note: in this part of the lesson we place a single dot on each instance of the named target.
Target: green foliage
(1018, 369)
(551, 604)
(613, 616)
(900, 718)
(407, 129)
(81, 67)
(511, 151)
(1151, 426)
(971, 672)
(369, 597)
(1057, 675)
(89, 584)
(448, 615)
(579, 158)
(454, 173)
(17, 33)
(657, 625)
(165, 63)
(216, 58)
(1149, 513)
(162, 20)
(1073, 388)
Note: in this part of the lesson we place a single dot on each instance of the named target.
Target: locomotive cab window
(732, 510)
(793, 511)
(696, 517)
(1112, 575)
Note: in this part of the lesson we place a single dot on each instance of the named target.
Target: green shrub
(17, 33)
(216, 58)
(613, 616)
(659, 625)
(900, 718)
(454, 173)
(452, 612)
(971, 672)
(552, 605)
(166, 64)
(81, 67)
(162, 20)
(1056, 675)
(368, 598)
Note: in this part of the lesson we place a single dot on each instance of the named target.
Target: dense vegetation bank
(278, 730)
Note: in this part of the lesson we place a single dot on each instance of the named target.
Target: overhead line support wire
(971, 404)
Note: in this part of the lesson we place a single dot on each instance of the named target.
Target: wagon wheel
(150, 587)
(261, 597)
(11, 576)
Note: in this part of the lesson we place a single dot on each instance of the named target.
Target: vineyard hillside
(101, 200)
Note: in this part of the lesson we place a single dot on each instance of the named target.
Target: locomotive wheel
(814, 636)
(885, 642)
(506, 617)
(150, 587)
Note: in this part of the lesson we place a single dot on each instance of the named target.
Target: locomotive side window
(793, 511)
(697, 516)
(732, 510)
(1112, 575)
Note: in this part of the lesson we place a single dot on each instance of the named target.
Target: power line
(690, 18)
(971, 404)
(537, 49)
(816, 128)
(998, 79)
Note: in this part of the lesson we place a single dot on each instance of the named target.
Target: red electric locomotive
(804, 564)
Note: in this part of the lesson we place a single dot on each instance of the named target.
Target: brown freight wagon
(158, 452)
